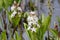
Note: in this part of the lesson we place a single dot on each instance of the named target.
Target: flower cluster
(32, 21)
(16, 9)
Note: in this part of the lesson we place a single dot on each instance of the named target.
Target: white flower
(33, 29)
(29, 19)
(13, 7)
(30, 23)
(32, 12)
(36, 18)
(13, 14)
(28, 28)
(32, 20)
(19, 8)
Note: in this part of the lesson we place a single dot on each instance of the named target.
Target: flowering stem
(4, 21)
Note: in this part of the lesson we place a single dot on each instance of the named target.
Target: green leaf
(25, 26)
(15, 20)
(7, 3)
(1, 4)
(54, 32)
(10, 2)
(28, 32)
(43, 26)
(46, 23)
(3, 35)
(26, 14)
(17, 36)
(18, 1)
(43, 18)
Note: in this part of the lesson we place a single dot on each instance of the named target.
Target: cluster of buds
(55, 26)
(32, 21)
(15, 8)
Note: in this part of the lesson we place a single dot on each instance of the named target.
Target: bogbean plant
(14, 17)
(35, 27)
